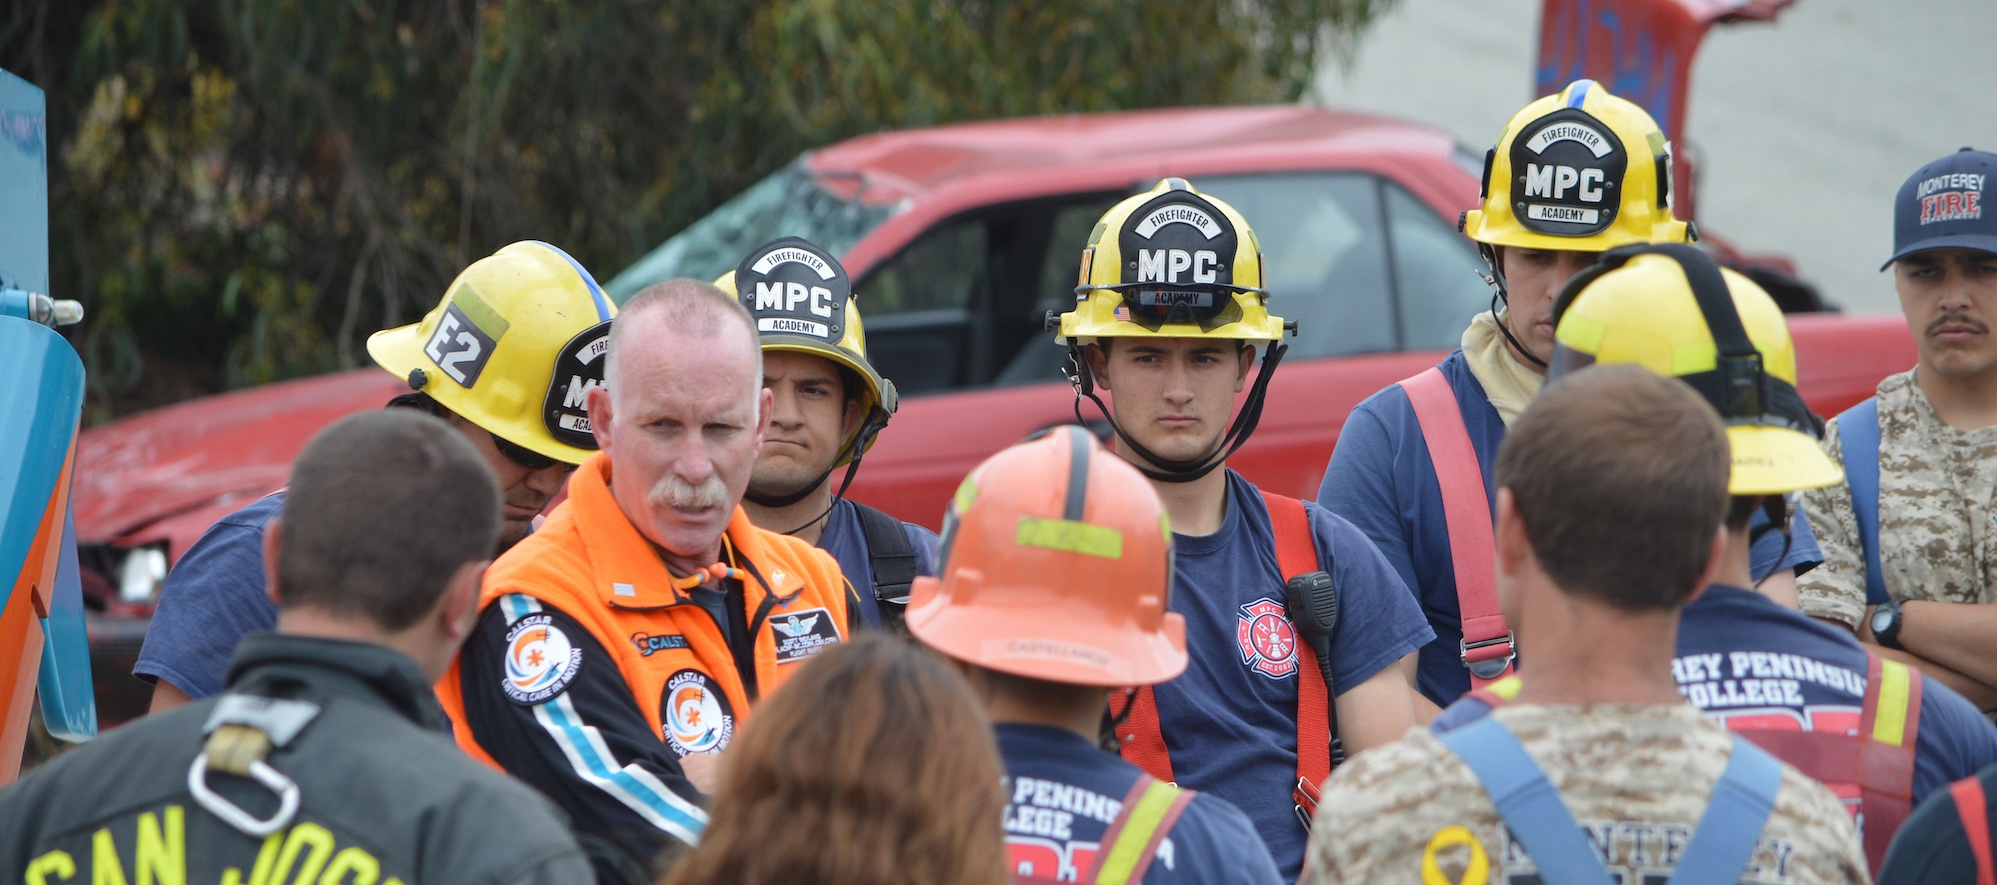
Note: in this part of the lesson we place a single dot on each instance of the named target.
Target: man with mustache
(621, 646)
(504, 358)
(829, 405)
(1910, 540)
(1573, 175)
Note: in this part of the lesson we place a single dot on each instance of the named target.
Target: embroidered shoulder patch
(695, 714)
(540, 660)
(801, 634)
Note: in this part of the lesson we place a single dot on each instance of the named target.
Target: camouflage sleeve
(1834, 591)
(1390, 811)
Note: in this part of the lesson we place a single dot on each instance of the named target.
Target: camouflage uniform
(1936, 486)
(1637, 777)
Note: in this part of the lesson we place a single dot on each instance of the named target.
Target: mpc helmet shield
(1173, 263)
(1579, 171)
(803, 302)
(514, 347)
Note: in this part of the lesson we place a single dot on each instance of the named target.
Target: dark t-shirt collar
(281, 665)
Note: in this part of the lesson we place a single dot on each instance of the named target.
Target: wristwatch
(1886, 620)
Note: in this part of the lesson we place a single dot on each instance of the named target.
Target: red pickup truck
(960, 239)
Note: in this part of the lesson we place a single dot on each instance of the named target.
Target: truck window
(1436, 274)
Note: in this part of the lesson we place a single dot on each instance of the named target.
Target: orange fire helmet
(1056, 565)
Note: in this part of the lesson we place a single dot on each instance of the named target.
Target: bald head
(682, 416)
(680, 310)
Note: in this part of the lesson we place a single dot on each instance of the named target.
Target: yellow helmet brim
(1774, 460)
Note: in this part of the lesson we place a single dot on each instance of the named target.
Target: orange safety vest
(1142, 743)
(589, 561)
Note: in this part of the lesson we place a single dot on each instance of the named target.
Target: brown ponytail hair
(873, 765)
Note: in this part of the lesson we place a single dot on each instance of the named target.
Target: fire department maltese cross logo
(1268, 642)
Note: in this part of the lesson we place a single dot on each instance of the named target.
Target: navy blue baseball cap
(1941, 207)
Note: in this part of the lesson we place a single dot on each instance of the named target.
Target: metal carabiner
(272, 779)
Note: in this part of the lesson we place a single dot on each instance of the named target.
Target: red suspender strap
(1973, 809)
(1296, 554)
(1137, 734)
(1888, 728)
(1486, 648)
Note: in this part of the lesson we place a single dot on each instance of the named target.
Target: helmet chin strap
(1165, 469)
(1496, 279)
(855, 446)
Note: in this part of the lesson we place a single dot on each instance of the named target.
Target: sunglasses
(525, 457)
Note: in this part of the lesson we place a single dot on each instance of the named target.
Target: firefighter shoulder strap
(1531, 807)
(1143, 744)
(1486, 648)
(893, 559)
(1858, 441)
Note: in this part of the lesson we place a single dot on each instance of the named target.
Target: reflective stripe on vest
(1858, 443)
(1487, 648)
(1973, 809)
(1139, 737)
(1149, 811)
(1877, 763)
(1531, 807)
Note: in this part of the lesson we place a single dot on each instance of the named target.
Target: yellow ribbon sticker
(1477, 872)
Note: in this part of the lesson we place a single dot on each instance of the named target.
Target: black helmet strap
(1165, 469)
(1738, 385)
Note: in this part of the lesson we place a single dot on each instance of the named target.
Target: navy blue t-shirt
(846, 539)
(1062, 793)
(1230, 722)
(1740, 654)
(214, 596)
(1380, 477)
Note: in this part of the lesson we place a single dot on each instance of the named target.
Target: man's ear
(766, 406)
(457, 608)
(1098, 364)
(1715, 556)
(271, 531)
(1245, 359)
(598, 403)
(851, 420)
(1514, 548)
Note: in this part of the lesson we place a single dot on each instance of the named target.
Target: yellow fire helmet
(1580, 171)
(1671, 309)
(803, 302)
(515, 347)
(1173, 263)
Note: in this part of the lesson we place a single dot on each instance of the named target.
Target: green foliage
(247, 188)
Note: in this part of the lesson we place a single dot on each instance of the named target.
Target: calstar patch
(695, 713)
(1268, 641)
(540, 660)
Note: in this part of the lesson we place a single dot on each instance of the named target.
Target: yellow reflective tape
(1507, 688)
(1889, 725)
(1691, 359)
(1477, 871)
(967, 491)
(1071, 536)
(1138, 826)
(1581, 332)
(491, 322)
